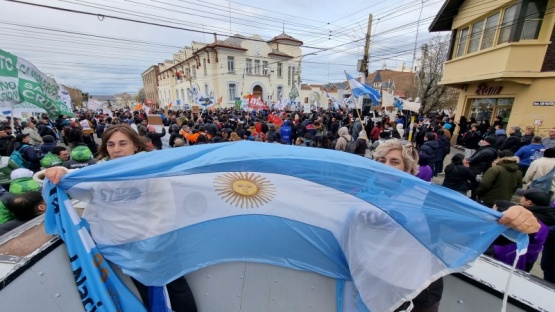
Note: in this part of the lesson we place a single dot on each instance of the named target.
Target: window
(506, 25)
(232, 88)
(265, 69)
(204, 66)
(533, 20)
(189, 96)
(182, 94)
(257, 67)
(230, 64)
(489, 31)
(521, 21)
(187, 72)
(463, 35)
(279, 92)
(176, 94)
(248, 67)
(291, 75)
(194, 72)
(279, 69)
(474, 42)
(206, 89)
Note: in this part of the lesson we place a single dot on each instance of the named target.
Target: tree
(140, 96)
(432, 95)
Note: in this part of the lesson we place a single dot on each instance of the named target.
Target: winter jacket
(549, 142)
(357, 127)
(285, 132)
(457, 177)
(512, 143)
(527, 153)
(539, 168)
(444, 145)
(341, 144)
(500, 182)
(174, 135)
(29, 154)
(425, 173)
(506, 253)
(375, 134)
(211, 128)
(361, 147)
(156, 138)
(501, 136)
(36, 139)
(471, 140)
(526, 139)
(433, 150)
(482, 159)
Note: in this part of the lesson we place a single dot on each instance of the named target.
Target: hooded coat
(344, 138)
(500, 182)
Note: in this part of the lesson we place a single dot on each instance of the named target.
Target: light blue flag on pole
(359, 89)
(384, 232)
(98, 285)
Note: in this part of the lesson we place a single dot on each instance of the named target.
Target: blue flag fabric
(359, 89)
(347, 217)
(99, 286)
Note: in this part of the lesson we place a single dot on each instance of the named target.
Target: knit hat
(21, 173)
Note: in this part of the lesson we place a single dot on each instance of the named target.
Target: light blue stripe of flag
(98, 285)
(359, 89)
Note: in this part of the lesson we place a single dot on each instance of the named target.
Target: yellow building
(502, 57)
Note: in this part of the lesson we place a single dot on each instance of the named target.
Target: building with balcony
(502, 58)
(230, 69)
(150, 86)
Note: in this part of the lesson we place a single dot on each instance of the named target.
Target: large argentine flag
(163, 214)
(359, 89)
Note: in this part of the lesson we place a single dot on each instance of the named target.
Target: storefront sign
(483, 89)
(544, 103)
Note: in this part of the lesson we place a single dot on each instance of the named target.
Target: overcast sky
(104, 56)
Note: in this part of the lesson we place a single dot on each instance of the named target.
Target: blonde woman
(404, 157)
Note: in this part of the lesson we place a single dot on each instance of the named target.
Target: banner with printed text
(22, 82)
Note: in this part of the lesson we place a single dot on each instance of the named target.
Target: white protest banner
(22, 82)
(64, 96)
(94, 104)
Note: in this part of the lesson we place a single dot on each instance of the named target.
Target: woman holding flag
(121, 141)
(404, 157)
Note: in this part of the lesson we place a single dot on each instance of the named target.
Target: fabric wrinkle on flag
(388, 232)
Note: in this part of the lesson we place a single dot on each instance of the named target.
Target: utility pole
(363, 64)
(363, 68)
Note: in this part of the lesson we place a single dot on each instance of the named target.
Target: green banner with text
(22, 82)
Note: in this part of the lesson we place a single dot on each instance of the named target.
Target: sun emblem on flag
(245, 190)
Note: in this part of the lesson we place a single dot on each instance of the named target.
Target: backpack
(18, 158)
(351, 145)
(544, 182)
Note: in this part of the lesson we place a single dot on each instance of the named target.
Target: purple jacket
(425, 173)
(506, 253)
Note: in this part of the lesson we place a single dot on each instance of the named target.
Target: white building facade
(231, 69)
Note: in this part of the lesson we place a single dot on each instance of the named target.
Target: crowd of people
(491, 170)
